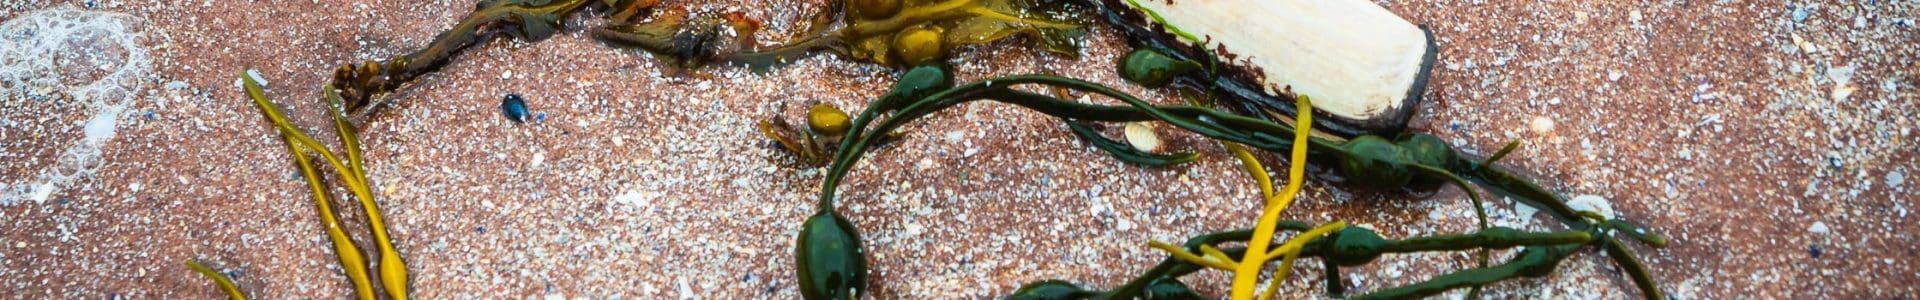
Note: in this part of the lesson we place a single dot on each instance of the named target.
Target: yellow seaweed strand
(1291, 250)
(1253, 167)
(349, 136)
(1210, 261)
(226, 284)
(351, 260)
(1247, 275)
(393, 269)
(286, 128)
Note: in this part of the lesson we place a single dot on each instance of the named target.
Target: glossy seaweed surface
(916, 36)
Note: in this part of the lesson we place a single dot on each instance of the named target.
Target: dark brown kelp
(528, 20)
(899, 33)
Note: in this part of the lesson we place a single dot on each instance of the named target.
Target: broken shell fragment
(1141, 135)
(1365, 67)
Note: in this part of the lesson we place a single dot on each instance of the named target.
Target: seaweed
(899, 33)
(917, 35)
(1128, 153)
(1371, 160)
(389, 266)
(527, 20)
(226, 284)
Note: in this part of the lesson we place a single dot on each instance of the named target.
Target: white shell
(1141, 136)
(1357, 60)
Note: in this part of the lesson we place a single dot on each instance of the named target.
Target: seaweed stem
(226, 284)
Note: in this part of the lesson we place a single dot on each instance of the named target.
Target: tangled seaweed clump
(917, 35)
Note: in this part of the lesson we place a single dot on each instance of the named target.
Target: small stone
(514, 108)
(1525, 212)
(42, 192)
(1593, 203)
(256, 77)
(1141, 135)
(1896, 179)
(1841, 92)
(1814, 250)
(1819, 228)
(1800, 14)
(1541, 125)
(914, 229)
(1804, 45)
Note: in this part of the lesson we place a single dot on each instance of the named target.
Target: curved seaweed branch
(391, 267)
(528, 20)
(226, 284)
(1398, 167)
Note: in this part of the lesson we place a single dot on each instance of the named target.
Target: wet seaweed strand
(1199, 120)
(1416, 158)
(391, 268)
(528, 20)
(226, 284)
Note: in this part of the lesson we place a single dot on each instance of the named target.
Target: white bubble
(60, 68)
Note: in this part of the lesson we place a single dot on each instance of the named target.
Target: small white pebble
(914, 229)
(1593, 203)
(1541, 125)
(42, 192)
(256, 77)
(1525, 212)
(1819, 228)
(1141, 135)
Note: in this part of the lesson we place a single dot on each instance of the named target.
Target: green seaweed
(1125, 152)
(1390, 161)
(830, 261)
